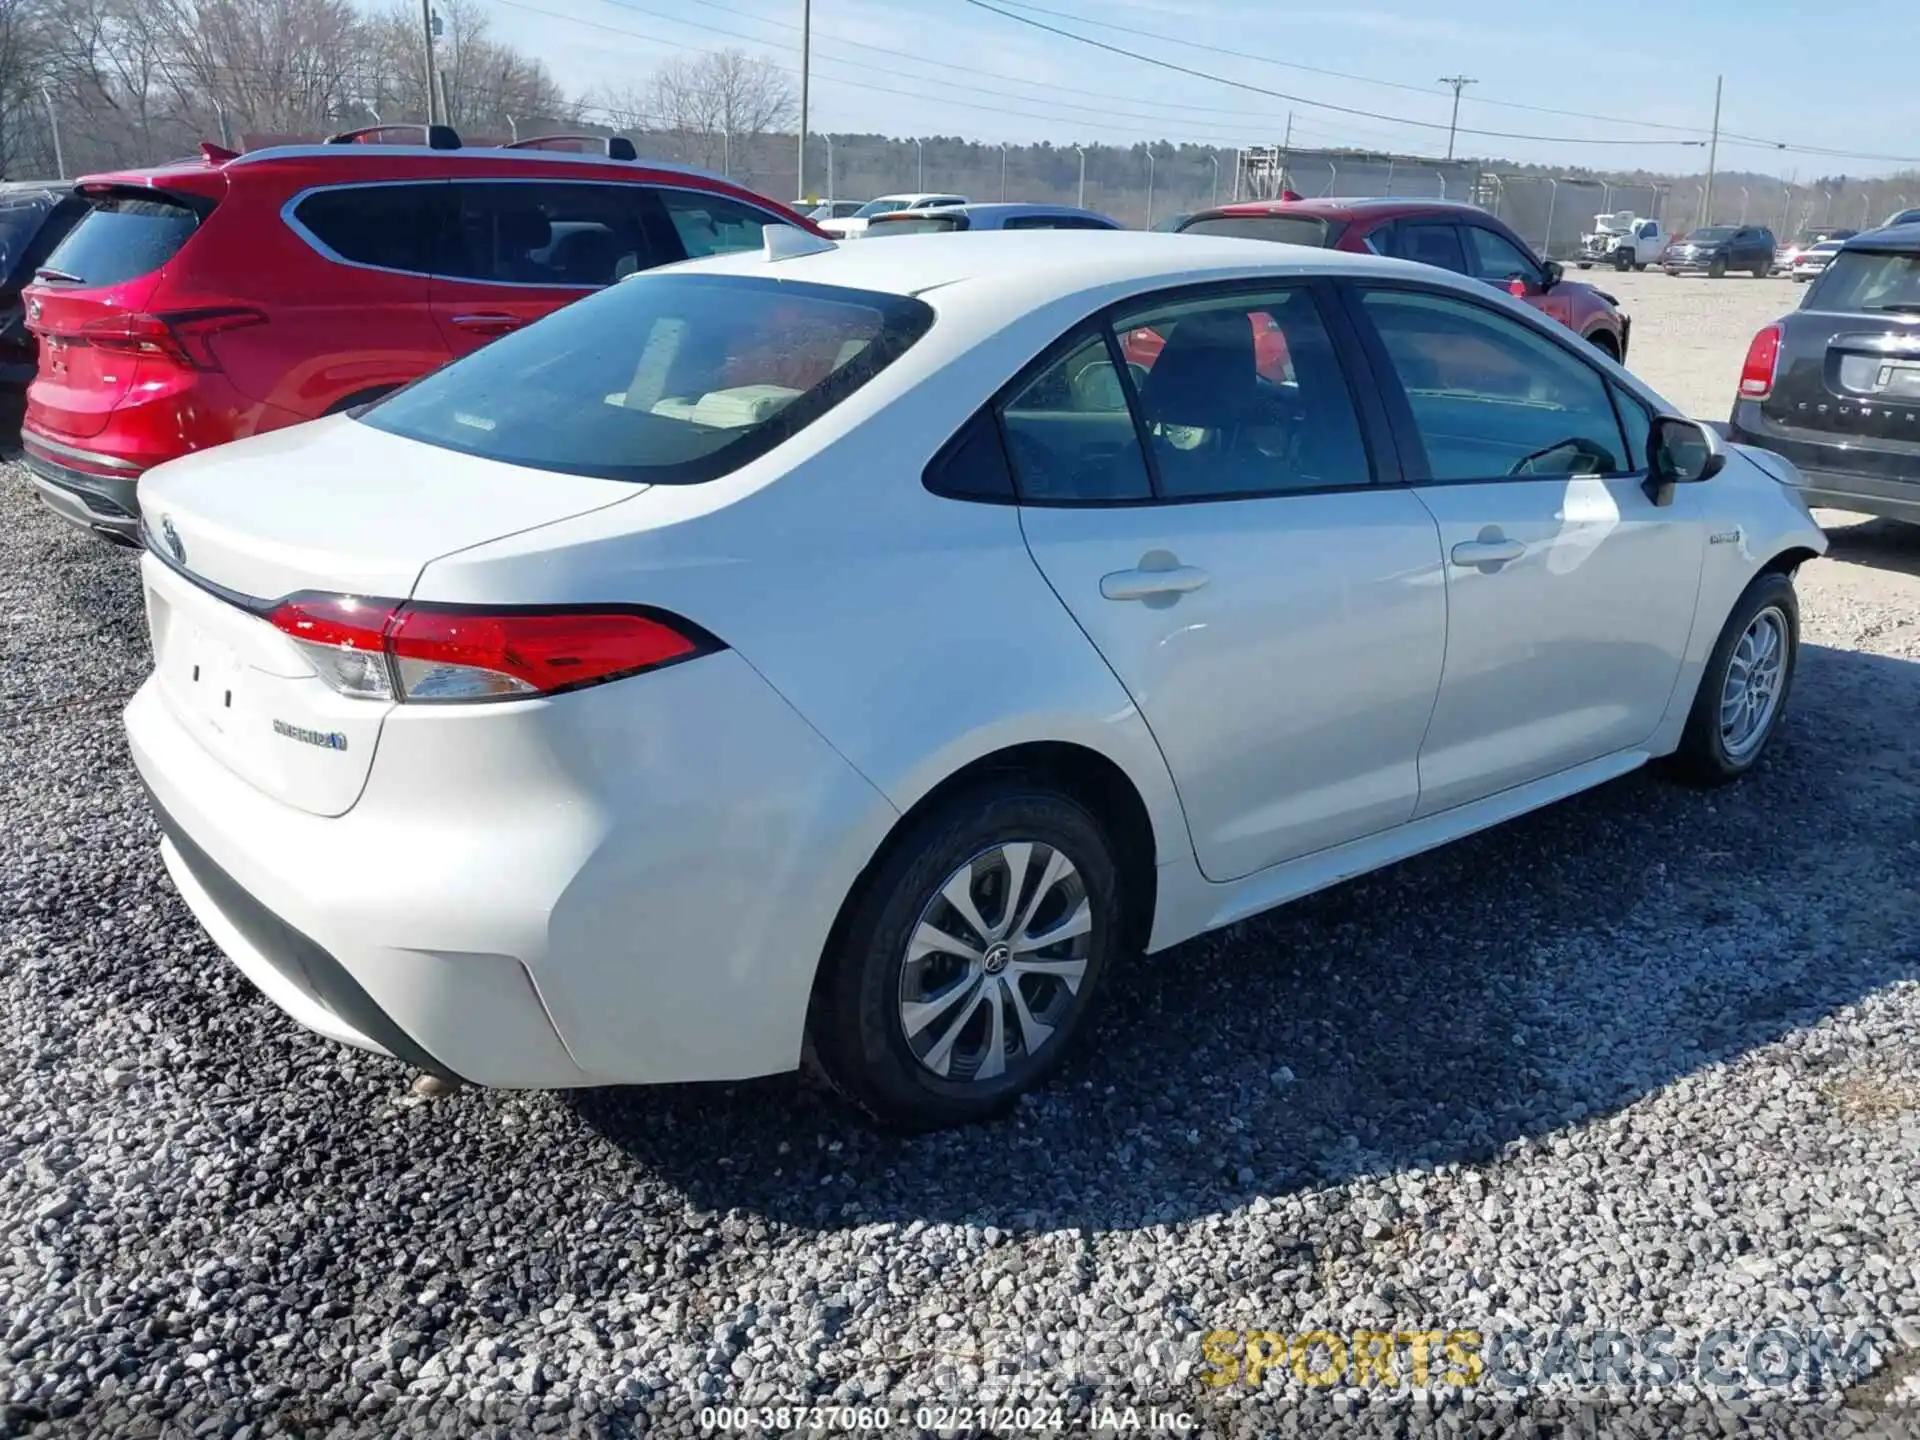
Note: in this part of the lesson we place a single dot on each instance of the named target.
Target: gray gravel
(1644, 1059)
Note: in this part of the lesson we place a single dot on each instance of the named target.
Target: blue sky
(905, 67)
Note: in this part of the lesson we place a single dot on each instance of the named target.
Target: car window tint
(546, 233)
(1430, 243)
(1070, 435)
(1862, 281)
(123, 237)
(715, 224)
(1245, 395)
(668, 379)
(1490, 396)
(1496, 259)
(394, 227)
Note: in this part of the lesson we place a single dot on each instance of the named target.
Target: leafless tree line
(141, 81)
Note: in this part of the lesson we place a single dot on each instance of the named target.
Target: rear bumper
(103, 505)
(1841, 473)
(632, 884)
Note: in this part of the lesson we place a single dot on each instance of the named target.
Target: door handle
(1146, 584)
(1487, 554)
(488, 324)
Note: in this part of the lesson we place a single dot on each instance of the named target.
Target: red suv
(200, 302)
(1462, 238)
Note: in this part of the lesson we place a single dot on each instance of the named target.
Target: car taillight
(1763, 355)
(182, 336)
(424, 654)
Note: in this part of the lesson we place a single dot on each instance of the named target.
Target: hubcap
(1750, 695)
(995, 965)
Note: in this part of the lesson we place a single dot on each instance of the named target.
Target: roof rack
(614, 147)
(434, 137)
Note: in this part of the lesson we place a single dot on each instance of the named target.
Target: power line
(1301, 99)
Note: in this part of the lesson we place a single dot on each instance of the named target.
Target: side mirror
(1555, 273)
(1680, 452)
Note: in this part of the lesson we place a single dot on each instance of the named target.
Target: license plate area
(207, 675)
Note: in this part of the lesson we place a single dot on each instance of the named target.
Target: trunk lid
(107, 268)
(1849, 375)
(336, 507)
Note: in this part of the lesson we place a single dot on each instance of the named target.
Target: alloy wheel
(1750, 693)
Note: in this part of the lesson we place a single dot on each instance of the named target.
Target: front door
(1278, 618)
(1570, 593)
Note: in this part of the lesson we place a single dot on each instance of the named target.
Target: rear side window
(1863, 281)
(1070, 435)
(544, 232)
(1288, 229)
(715, 224)
(391, 227)
(668, 379)
(1429, 242)
(124, 237)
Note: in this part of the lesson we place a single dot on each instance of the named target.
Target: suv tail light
(183, 337)
(395, 650)
(1763, 355)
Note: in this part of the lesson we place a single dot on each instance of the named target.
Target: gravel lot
(1645, 1059)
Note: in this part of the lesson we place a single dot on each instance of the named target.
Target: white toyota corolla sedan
(861, 650)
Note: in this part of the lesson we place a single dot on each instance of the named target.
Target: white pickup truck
(1623, 240)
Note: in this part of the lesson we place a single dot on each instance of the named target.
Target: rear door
(1570, 594)
(108, 267)
(518, 250)
(1277, 616)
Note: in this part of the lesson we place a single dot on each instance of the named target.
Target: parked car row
(1834, 387)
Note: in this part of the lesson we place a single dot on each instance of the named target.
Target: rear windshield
(1868, 280)
(908, 224)
(123, 237)
(663, 379)
(1288, 229)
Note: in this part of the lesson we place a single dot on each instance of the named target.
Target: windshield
(878, 207)
(1711, 235)
(663, 379)
(1866, 281)
(917, 225)
(1288, 229)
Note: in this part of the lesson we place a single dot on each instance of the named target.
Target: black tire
(1640, 264)
(857, 1031)
(1584, 264)
(1623, 259)
(1716, 269)
(1762, 270)
(1602, 341)
(1703, 757)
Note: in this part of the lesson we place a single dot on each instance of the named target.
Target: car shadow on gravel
(1881, 544)
(1535, 977)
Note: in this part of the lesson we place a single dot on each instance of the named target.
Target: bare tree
(710, 108)
(489, 88)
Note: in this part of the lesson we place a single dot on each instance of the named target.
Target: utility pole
(1216, 180)
(829, 140)
(919, 164)
(806, 58)
(1149, 187)
(1459, 83)
(1081, 152)
(53, 124)
(1286, 153)
(1003, 172)
(426, 35)
(1713, 155)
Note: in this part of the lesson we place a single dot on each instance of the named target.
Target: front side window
(1491, 397)
(546, 232)
(715, 224)
(667, 379)
(1430, 243)
(1496, 259)
(1245, 395)
(1070, 435)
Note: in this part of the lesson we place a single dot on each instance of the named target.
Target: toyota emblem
(172, 537)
